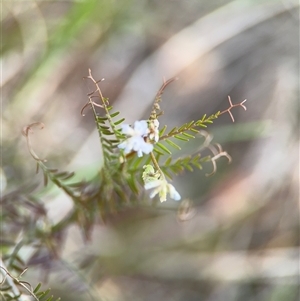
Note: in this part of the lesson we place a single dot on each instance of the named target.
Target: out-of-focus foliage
(235, 237)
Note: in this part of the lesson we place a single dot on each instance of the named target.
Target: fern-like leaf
(186, 130)
(179, 165)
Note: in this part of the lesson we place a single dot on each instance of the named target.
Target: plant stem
(156, 165)
(9, 280)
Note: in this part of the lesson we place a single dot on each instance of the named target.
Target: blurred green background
(240, 239)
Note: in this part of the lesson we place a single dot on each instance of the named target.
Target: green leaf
(104, 127)
(190, 124)
(122, 194)
(101, 119)
(183, 128)
(168, 161)
(166, 173)
(45, 178)
(136, 162)
(61, 174)
(172, 131)
(162, 131)
(189, 167)
(132, 184)
(173, 144)
(41, 295)
(183, 163)
(158, 151)
(107, 133)
(69, 176)
(111, 141)
(179, 137)
(188, 135)
(119, 121)
(157, 157)
(37, 288)
(114, 114)
(161, 146)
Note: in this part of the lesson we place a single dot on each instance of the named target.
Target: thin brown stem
(217, 154)
(15, 280)
(104, 104)
(156, 111)
(29, 130)
(157, 165)
(241, 104)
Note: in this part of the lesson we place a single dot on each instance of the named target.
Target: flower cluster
(137, 138)
(162, 187)
(140, 139)
(156, 179)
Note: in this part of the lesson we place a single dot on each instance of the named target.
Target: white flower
(135, 141)
(154, 132)
(162, 187)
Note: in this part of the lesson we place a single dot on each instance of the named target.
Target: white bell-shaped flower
(162, 188)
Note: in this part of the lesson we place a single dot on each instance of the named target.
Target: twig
(241, 104)
(29, 130)
(91, 94)
(217, 154)
(156, 111)
(9, 279)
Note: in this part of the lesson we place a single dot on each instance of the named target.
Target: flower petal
(141, 127)
(173, 193)
(147, 148)
(154, 193)
(153, 184)
(127, 129)
(163, 195)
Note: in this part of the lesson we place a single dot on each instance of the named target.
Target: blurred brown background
(241, 240)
